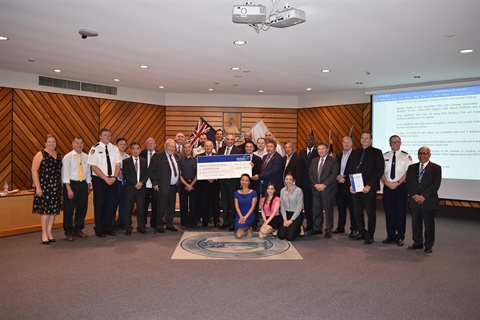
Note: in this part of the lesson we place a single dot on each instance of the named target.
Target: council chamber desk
(16, 215)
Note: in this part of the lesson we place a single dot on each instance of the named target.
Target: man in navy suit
(423, 181)
(323, 176)
(165, 176)
(135, 175)
(272, 168)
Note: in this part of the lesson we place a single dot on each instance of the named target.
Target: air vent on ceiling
(76, 85)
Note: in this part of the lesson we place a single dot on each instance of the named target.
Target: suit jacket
(292, 165)
(428, 187)
(160, 172)
(339, 159)
(372, 166)
(273, 171)
(303, 165)
(257, 165)
(215, 145)
(242, 146)
(329, 174)
(144, 154)
(235, 150)
(129, 173)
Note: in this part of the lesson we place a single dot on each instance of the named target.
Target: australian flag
(202, 127)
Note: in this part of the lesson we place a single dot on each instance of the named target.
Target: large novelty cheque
(223, 166)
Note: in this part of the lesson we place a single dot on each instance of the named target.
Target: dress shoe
(172, 228)
(223, 226)
(359, 237)
(352, 235)
(46, 242)
(328, 234)
(216, 225)
(161, 230)
(70, 237)
(388, 240)
(313, 232)
(338, 230)
(307, 229)
(193, 227)
(415, 247)
(128, 232)
(101, 235)
(231, 228)
(204, 225)
(400, 242)
(52, 240)
(111, 233)
(142, 231)
(80, 234)
(184, 227)
(368, 241)
(428, 250)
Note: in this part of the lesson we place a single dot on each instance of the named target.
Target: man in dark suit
(368, 161)
(323, 174)
(208, 190)
(219, 142)
(150, 194)
(228, 186)
(248, 138)
(256, 164)
(135, 175)
(423, 181)
(303, 181)
(165, 176)
(291, 158)
(272, 168)
(343, 196)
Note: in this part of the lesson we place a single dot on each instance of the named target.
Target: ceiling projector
(249, 13)
(286, 18)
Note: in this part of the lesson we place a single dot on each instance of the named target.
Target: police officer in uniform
(395, 191)
(104, 160)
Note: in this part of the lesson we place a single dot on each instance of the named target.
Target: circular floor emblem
(226, 246)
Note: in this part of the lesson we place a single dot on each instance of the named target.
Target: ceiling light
(309, 89)
(210, 89)
(261, 91)
(466, 51)
(235, 68)
(57, 70)
(2, 38)
(326, 70)
(161, 87)
(246, 71)
(144, 66)
(116, 80)
(239, 42)
(237, 76)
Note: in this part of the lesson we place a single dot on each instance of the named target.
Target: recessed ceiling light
(235, 85)
(237, 76)
(239, 42)
(31, 59)
(466, 51)
(161, 87)
(358, 82)
(144, 66)
(57, 70)
(246, 71)
(450, 35)
(417, 77)
(309, 89)
(210, 89)
(326, 70)
(3, 38)
(261, 91)
(116, 80)
(236, 68)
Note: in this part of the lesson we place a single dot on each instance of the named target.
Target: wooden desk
(16, 215)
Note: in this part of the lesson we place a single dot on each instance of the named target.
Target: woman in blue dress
(245, 202)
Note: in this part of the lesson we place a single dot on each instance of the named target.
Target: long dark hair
(273, 196)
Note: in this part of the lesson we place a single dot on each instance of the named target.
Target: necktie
(361, 159)
(227, 150)
(309, 152)
(109, 165)
(420, 173)
(149, 157)
(266, 162)
(320, 168)
(173, 166)
(81, 174)
(136, 167)
(392, 170)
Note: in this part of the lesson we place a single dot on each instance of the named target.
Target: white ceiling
(188, 45)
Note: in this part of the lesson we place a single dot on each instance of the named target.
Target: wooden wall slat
(6, 123)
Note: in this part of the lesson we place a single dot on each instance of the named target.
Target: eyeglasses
(423, 153)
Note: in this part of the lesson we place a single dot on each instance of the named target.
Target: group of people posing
(285, 190)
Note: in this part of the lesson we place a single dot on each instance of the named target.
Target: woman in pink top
(270, 212)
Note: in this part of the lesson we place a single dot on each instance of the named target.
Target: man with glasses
(395, 192)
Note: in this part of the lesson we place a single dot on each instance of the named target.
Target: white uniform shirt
(70, 167)
(403, 160)
(98, 157)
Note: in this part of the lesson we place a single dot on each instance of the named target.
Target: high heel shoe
(52, 240)
(46, 242)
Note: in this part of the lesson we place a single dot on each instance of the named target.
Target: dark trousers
(120, 205)
(104, 196)
(422, 217)
(365, 201)
(188, 205)
(322, 202)
(344, 200)
(227, 190)
(166, 207)
(210, 202)
(292, 232)
(395, 205)
(133, 196)
(75, 210)
(308, 205)
(151, 198)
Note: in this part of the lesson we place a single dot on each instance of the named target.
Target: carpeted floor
(136, 278)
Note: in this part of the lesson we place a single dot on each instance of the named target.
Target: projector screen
(445, 120)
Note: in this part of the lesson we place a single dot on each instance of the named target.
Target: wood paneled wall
(282, 122)
(6, 141)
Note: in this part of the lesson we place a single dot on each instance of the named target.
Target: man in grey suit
(323, 176)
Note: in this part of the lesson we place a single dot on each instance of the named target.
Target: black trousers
(365, 202)
(151, 198)
(210, 203)
(292, 232)
(308, 205)
(395, 205)
(227, 190)
(133, 196)
(344, 201)
(188, 205)
(75, 210)
(421, 217)
(166, 207)
(322, 202)
(104, 196)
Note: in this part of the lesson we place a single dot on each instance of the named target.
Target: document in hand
(356, 181)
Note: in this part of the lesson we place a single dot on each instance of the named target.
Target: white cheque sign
(223, 166)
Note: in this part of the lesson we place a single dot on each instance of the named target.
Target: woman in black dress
(47, 180)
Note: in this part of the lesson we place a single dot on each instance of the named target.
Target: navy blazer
(273, 171)
(329, 174)
(428, 187)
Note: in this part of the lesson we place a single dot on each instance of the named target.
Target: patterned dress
(50, 176)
